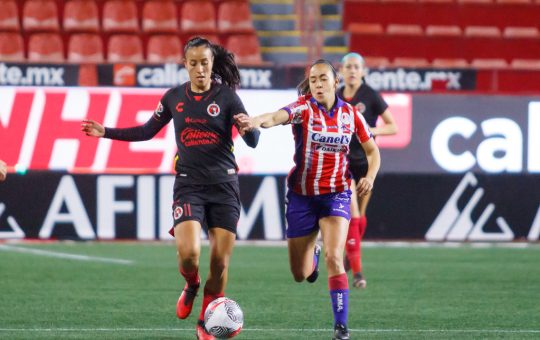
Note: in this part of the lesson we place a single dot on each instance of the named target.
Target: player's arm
(365, 184)
(251, 137)
(266, 120)
(132, 134)
(388, 128)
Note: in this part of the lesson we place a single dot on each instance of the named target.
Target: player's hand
(244, 123)
(364, 186)
(3, 170)
(92, 128)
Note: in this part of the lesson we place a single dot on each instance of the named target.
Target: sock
(361, 230)
(339, 294)
(352, 247)
(208, 297)
(192, 277)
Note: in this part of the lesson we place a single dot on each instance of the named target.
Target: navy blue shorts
(304, 212)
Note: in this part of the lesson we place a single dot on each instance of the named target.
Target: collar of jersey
(337, 104)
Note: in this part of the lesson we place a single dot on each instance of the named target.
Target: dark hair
(224, 68)
(303, 87)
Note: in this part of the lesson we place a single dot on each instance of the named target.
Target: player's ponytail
(224, 68)
(303, 87)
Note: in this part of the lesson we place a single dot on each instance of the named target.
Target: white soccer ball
(223, 318)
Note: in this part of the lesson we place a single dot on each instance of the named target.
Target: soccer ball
(223, 318)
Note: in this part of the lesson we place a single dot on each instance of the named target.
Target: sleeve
(251, 137)
(361, 127)
(296, 111)
(379, 105)
(161, 117)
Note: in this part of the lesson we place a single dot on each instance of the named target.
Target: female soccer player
(319, 185)
(206, 190)
(371, 106)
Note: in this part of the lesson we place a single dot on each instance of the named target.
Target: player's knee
(334, 262)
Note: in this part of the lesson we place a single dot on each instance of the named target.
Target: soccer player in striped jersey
(319, 185)
(206, 188)
(371, 105)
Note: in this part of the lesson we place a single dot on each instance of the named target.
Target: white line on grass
(49, 253)
(277, 330)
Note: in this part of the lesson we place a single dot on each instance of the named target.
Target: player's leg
(334, 234)
(359, 280)
(302, 231)
(352, 247)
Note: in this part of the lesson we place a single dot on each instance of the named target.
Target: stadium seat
(489, 63)
(443, 30)
(40, 15)
(85, 48)
(410, 62)
(9, 16)
(159, 16)
(164, 49)
(513, 1)
(45, 47)
(234, 16)
(521, 32)
(450, 63)
(404, 29)
(81, 15)
(198, 16)
(364, 28)
(482, 31)
(11, 47)
(375, 62)
(125, 48)
(120, 16)
(245, 48)
(530, 64)
(475, 1)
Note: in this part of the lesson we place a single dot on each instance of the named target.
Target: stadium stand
(198, 16)
(11, 46)
(9, 16)
(245, 48)
(164, 48)
(234, 17)
(81, 16)
(120, 16)
(40, 15)
(46, 47)
(125, 48)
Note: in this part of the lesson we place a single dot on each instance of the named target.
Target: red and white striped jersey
(321, 145)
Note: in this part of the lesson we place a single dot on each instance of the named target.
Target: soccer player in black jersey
(371, 105)
(206, 186)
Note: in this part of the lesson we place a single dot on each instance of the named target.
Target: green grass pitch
(413, 292)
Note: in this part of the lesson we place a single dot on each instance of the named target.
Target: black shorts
(215, 205)
(358, 168)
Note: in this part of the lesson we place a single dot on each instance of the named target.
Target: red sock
(192, 277)
(208, 297)
(352, 247)
(361, 230)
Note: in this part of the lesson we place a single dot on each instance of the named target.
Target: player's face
(323, 84)
(198, 62)
(352, 71)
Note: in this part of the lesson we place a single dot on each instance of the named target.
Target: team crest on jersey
(178, 212)
(213, 110)
(361, 107)
(345, 118)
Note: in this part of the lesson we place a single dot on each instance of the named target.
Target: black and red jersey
(371, 105)
(203, 125)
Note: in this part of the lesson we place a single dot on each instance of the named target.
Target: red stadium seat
(521, 32)
(159, 16)
(125, 48)
(40, 15)
(489, 63)
(529, 64)
(11, 47)
(375, 62)
(404, 29)
(482, 31)
(364, 28)
(235, 16)
(164, 49)
(9, 16)
(449, 63)
(45, 47)
(85, 48)
(198, 16)
(120, 16)
(410, 62)
(81, 15)
(245, 48)
(443, 30)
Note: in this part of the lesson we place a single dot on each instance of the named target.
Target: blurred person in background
(206, 190)
(3, 170)
(319, 186)
(371, 105)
